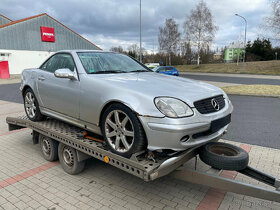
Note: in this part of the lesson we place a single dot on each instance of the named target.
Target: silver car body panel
(80, 101)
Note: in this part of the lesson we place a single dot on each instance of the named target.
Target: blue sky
(116, 22)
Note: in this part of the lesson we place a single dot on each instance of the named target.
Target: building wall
(3, 20)
(26, 35)
(22, 59)
(232, 54)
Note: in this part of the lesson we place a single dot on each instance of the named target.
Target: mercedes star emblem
(215, 104)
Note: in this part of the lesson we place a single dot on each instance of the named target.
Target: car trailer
(142, 164)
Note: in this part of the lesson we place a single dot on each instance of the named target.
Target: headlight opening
(173, 107)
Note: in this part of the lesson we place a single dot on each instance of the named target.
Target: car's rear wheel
(31, 106)
(122, 130)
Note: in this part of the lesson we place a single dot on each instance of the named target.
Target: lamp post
(243, 67)
(140, 51)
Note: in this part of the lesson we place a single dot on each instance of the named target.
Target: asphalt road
(11, 92)
(237, 80)
(255, 120)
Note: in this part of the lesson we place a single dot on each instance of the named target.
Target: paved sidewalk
(220, 84)
(14, 79)
(27, 181)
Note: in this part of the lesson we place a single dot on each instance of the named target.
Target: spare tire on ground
(224, 156)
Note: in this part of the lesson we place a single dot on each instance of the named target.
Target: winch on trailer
(72, 146)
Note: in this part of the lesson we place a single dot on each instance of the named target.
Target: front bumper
(178, 134)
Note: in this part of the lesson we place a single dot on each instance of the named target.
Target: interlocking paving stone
(102, 186)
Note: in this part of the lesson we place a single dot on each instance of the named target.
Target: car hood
(154, 85)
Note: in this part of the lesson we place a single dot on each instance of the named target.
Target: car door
(59, 94)
(161, 70)
(169, 70)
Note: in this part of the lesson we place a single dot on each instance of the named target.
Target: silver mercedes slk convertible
(132, 107)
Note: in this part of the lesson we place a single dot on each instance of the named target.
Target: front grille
(205, 106)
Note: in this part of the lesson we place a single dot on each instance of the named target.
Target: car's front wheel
(122, 130)
(31, 106)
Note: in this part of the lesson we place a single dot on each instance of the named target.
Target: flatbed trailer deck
(146, 168)
(137, 165)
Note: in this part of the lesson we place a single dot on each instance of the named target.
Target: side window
(59, 61)
(168, 68)
(161, 69)
(46, 66)
(67, 62)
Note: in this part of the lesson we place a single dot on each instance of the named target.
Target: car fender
(28, 79)
(135, 104)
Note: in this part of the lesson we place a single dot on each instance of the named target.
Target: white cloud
(107, 42)
(111, 23)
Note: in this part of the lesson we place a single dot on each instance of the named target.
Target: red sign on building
(47, 34)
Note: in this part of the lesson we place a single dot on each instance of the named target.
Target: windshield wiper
(107, 72)
(142, 70)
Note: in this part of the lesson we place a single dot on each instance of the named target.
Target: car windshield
(103, 62)
(152, 67)
(156, 68)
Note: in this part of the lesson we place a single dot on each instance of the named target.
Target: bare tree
(186, 51)
(271, 24)
(117, 49)
(169, 38)
(133, 50)
(200, 28)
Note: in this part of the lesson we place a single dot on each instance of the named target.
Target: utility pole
(140, 32)
(244, 55)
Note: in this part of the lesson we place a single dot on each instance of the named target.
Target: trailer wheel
(69, 160)
(224, 156)
(49, 148)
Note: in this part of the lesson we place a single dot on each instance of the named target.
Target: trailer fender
(82, 156)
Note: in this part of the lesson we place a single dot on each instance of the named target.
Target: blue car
(169, 70)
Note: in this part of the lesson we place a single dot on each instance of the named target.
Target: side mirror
(64, 73)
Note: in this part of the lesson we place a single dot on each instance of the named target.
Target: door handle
(41, 78)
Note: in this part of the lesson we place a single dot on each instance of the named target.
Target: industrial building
(26, 43)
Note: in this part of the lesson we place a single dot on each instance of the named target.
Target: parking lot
(27, 181)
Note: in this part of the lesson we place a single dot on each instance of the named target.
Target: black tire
(70, 164)
(38, 116)
(224, 156)
(49, 148)
(139, 142)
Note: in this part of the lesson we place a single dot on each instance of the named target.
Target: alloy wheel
(119, 131)
(30, 104)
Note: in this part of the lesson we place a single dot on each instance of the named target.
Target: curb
(239, 94)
